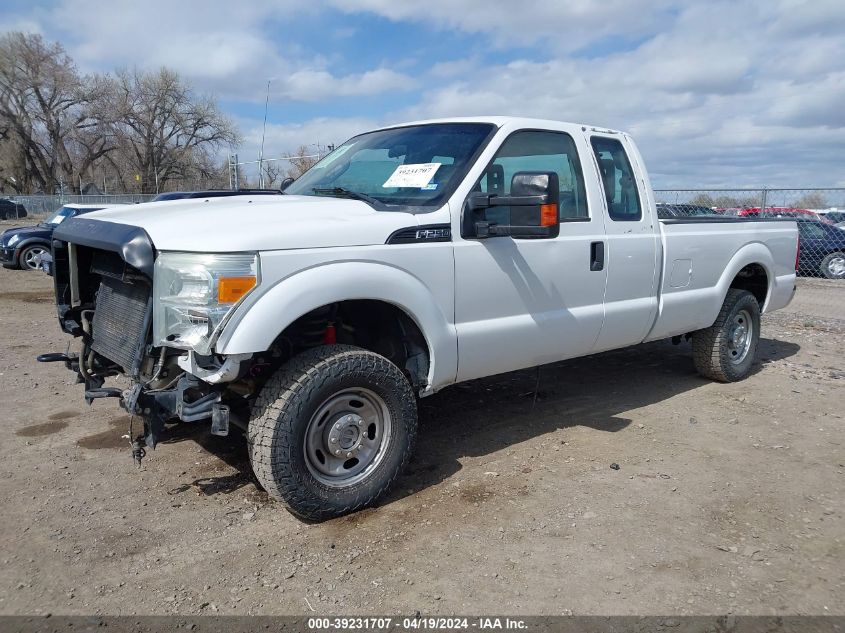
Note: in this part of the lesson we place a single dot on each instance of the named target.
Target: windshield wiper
(346, 193)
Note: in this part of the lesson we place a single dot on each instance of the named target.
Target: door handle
(597, 256)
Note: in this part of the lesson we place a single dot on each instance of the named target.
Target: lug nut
(334, 440)
(337, 452)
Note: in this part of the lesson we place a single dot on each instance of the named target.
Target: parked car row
(822, 249)
(822, 242)
(26, 247)
(821, 234)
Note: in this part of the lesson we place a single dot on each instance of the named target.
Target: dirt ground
(728, 498)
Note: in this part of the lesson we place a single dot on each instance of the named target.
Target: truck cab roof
(501, 121)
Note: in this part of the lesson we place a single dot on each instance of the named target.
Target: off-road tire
(283, 410)
(824, 267)
(710, 346)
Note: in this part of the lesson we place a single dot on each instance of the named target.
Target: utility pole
(233, 172)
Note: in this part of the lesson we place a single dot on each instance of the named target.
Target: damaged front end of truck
(153, 318)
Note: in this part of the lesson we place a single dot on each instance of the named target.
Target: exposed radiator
(119, 325)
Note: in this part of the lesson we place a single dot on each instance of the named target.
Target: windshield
(417, 165)
(63, 213)
(58, 215)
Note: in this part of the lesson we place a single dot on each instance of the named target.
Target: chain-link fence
(820, 214)
(40, 206)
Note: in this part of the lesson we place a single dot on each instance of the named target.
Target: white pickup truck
(409, 259)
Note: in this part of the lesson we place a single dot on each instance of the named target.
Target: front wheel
(331, 431)
(833, 266)
(30, 257)
(725, 351)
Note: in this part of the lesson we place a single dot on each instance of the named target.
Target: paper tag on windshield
(414, 175)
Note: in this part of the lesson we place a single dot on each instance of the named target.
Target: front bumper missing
(103, 276)
(157, 406)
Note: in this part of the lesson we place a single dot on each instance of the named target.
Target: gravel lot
(728, 498)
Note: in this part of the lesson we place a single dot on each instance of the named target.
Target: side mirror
(530, 211)
(287, 182)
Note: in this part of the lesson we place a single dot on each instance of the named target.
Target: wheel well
(754, 279)
(35, 242)
(378, 326)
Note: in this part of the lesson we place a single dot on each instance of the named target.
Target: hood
(258, 223)
(25, 232)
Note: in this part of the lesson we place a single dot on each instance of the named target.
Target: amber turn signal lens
(231, 289)
(548, 214)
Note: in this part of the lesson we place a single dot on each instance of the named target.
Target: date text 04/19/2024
(416, 623)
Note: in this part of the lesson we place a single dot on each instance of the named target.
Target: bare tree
(164, 130)
(300, 162)
(45, 114)
(813, 200)
(273, 172)
(703, 200)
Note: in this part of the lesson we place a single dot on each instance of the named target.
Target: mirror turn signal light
(232, 289)
(548, 214)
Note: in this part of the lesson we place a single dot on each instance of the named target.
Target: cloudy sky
(736, 93)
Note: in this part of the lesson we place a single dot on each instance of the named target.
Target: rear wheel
(332, 430)
(833, 266)
(30, 257)
(726, 350)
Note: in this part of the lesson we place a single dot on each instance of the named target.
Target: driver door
(523, 302)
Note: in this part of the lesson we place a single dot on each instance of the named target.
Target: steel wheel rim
(836, 266)
(740, 336)
(347, 437)
(32, 257)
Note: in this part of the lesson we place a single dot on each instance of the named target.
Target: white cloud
(715, 91)
(317, 85)
(567, 24)
(713, 98)
(322, 130)
(285, 138)
(228, 48)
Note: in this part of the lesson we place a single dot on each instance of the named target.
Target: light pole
(263, 132)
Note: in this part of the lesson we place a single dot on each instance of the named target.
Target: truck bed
(703, 254)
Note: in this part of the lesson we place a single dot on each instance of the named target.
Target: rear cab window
(618, 180)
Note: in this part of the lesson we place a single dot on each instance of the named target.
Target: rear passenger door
(632, 242)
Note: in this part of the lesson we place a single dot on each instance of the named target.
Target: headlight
(14, 239)
(194, 293)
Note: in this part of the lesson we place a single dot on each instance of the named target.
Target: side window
(537, 151)
(810, 231)
(620, 185)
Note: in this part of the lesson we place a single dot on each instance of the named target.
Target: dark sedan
(666, 211)
(23, 247)
(11, 210)
(822, 249)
